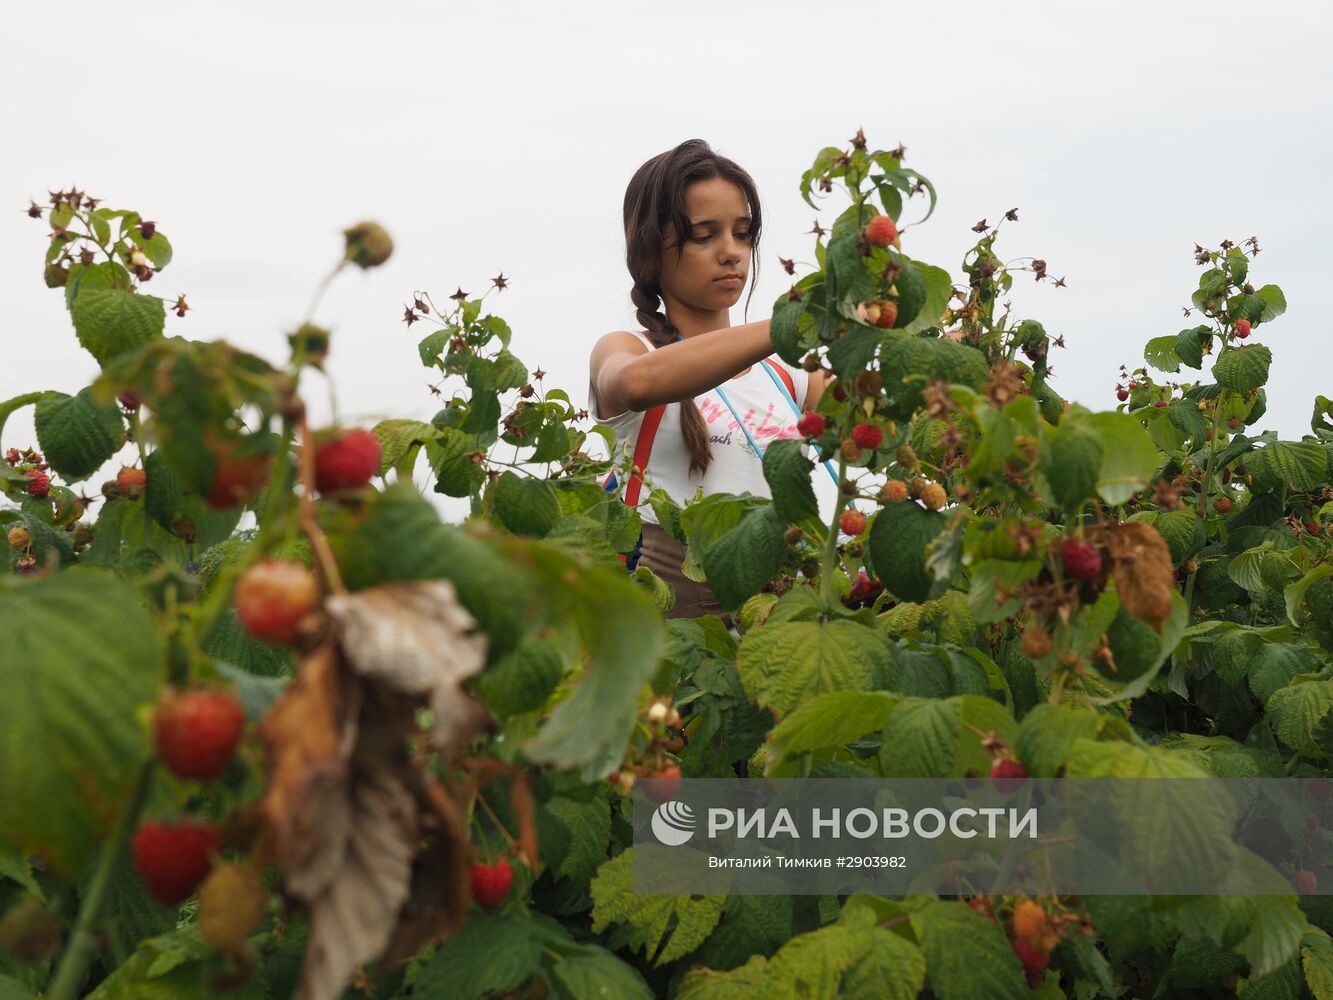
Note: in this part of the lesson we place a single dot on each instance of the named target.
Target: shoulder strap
(643, 448)
(784, 375)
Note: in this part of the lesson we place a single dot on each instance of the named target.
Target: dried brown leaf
(1145, 577)
(308, 734)
(525, 810)
(352, 919)
(440, 894)
(419, 640)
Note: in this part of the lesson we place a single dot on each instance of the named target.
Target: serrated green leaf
(664, 928)
(1072, 463)
(967, 955)
(1160, 352)
(828, 721)
(898, 541)
(787, 472)
(1297, 712)
(490, 954)
(1243, 369)
(78, 657)
(939, 289)
(522, 680)
(77, 436)
(1317, 963)
(1129, 457)
(586, 814)
(112, 321)
(1048, 733)
(784, 663)
(744, 559)
(524, 505)
(938, 737)
(399, 441)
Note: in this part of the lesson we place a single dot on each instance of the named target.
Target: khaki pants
(664, 556)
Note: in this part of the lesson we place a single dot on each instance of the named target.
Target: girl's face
(718, 245)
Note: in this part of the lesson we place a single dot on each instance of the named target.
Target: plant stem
(82, 945)
(831, 544)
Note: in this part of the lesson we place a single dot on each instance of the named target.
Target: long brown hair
(656, 196)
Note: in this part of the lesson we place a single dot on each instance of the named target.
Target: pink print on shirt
(714, 412)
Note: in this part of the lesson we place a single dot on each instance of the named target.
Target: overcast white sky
(500, 136)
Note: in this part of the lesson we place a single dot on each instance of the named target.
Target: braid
(661, 332)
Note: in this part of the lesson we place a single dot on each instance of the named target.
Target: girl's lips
(729, 282)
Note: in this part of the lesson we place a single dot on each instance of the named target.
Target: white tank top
(736, 467)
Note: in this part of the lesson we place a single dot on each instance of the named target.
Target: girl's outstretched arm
(625, 375)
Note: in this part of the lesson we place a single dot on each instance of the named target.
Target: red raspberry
(1222, 505)
(236, 480)
(13, 456)
(174, 859)
(490, 883)
(883, 313)
(347, 462)
(1306, 882)
(196, 732)
(1034, 961)
(1029, 920)
(1122, 394)
(662, 785)
(810, 425)
(131, 481)
(1242, 328)
(894, 491)
(1081, 561)
(39, 483)
(881, 231)
(272, 597)
(1007, 774)
(852, 522)
(839, 393)
(867, 436)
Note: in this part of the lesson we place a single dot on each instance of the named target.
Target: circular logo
(673, 823)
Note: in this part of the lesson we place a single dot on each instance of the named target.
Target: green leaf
(1160, 352)
(77, 436)
(1275, 664)
(828, 721)
(522, 680)
(913, 292)
(489, 954)
(785, 329)
(1072, 463)
(664, 928)
(750, 925)
(79, 656)
(744, 559)
(939, 289)
(623, 636)
(586, 814)
(787, 472)
(1298, 465)
(1275, 303)
(1294, 594)
(112, 321)
(967, 955)
(938, 737)
(456, 475)
(1299, 713)
(525, 505)
(399, 442)
(1190, 343)
(898, 541)
(1243, 369)
(1129, 457)
(596, 974)
(1317, 963)
(784, 663)
(1183, 532)
(1048, 733)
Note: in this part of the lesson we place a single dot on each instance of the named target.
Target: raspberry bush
(438, 726)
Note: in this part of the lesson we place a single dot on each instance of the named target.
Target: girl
(692, 222)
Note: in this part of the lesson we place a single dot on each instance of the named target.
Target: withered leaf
(1145, 577)
(417, 639)
(440, 893)
(352, 918)
(309, 733)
